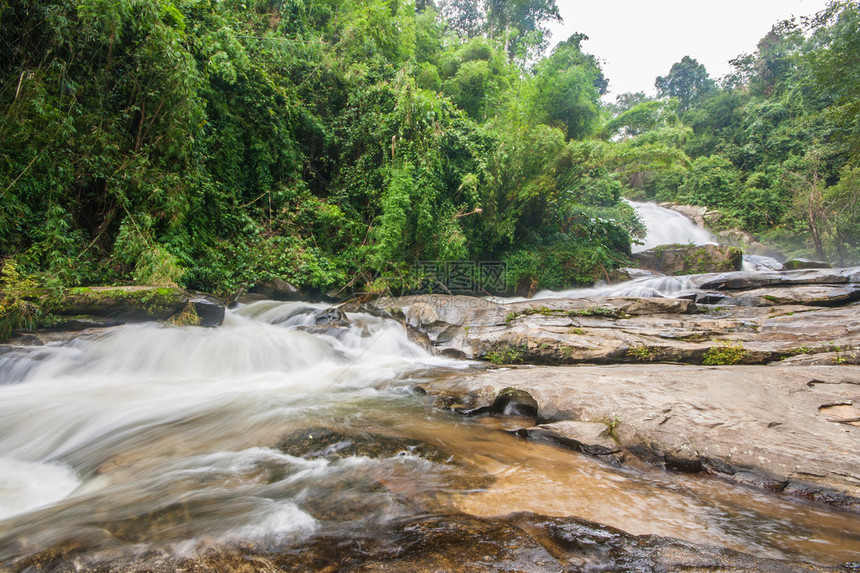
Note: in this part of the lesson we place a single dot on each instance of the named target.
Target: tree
(566, 89)
(522, 24)
(712, 182)
(688, 80)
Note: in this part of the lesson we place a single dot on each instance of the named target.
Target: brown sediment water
(274, 430)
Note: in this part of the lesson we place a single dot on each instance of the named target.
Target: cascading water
(667, 227)
(178, 439)
(663, 227)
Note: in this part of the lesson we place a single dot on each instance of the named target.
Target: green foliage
(725, 352)
(688, 81)
(216, 144)
(711, 181)
(506, 355)
(642, 353)
(16, 311)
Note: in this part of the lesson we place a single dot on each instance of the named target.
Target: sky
(638, 40)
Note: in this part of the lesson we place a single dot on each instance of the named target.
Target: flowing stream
(181, 438)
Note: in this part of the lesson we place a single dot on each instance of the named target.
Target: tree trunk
(813, 228)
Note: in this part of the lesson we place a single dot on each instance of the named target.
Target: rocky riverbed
(749, 376)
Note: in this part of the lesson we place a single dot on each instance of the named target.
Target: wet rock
(209, 310)
(327, 443)
(760, 263)
(330, 318)
(795, 264)
(79, 323)
(690, 259)
(452, 542)
(139, 303)
(810, 295)
(749, 280)
(390, 490)
(593, 438)
(514, 402)
(277, 289)
(762, 425)
(611, 330)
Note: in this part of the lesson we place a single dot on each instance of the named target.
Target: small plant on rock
(642, 353)
(506, 355)
(725, 352)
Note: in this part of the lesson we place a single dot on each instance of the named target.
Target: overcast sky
(638, 40)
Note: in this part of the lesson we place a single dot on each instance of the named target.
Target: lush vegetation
(333, 143)
(775, 146)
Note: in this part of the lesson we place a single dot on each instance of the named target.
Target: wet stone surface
(452, 543)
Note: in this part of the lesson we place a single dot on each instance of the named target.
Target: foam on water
(26, 486)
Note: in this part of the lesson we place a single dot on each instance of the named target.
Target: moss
(149, 298)
(154, 303)
(702, 260)
(612, 424)
(602, 311)
(725, 352)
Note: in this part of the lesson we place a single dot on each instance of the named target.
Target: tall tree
(688, 80)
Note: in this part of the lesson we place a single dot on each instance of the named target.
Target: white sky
(638, 40)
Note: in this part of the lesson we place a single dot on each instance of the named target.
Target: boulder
(689, 211)
(808, 295)
(735, 237)
(743, 280)
(795, 264)
(760, 263)
(769, 323)
(277, 289)
(138, 304)
(593, 438)
(690, 259)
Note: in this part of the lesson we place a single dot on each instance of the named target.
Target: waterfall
(667, 227)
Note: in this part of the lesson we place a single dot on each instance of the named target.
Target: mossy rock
(690, 259)
(140, 303)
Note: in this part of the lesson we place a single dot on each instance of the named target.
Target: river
(273, 430)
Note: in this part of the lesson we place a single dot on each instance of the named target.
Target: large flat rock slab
(646, 330)
(773, 426)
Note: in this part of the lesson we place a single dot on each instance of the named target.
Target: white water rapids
(133, 416)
